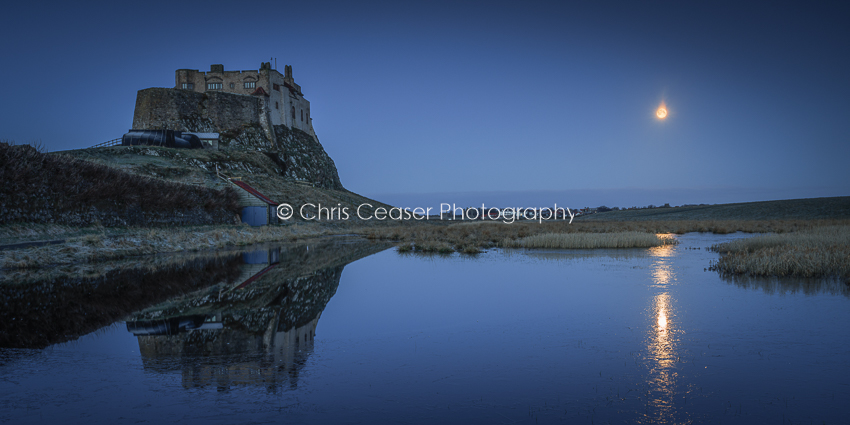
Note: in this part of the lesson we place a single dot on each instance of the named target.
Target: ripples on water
(333, 332)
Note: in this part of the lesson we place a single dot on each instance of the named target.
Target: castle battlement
(282, 98)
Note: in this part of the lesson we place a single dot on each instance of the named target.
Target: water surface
(341, 335)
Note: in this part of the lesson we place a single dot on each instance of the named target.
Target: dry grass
(816, 252)
(591, 240)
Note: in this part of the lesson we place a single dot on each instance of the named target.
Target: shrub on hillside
(34, 180)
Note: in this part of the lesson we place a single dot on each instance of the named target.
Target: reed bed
(471, 236)
(817, 252)
(591, 240)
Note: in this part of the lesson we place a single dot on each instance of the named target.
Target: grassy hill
(204, 167)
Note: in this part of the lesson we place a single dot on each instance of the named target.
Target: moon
(661, 113)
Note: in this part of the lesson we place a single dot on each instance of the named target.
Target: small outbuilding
(257, 209)
(209, 140)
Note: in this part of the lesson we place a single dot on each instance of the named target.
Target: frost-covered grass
(112, 244)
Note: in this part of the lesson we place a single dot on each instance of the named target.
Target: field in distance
(835, 208)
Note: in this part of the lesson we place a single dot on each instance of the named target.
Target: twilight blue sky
(470, 102)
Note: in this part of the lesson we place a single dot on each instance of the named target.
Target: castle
(259, 111)
(283, 100)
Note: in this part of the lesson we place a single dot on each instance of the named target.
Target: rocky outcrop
(304, 158)
(243, 125)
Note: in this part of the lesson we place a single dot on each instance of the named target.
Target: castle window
(232, 85)
(302, 115)
(250, 84)
(275, 105)
(187, 86)
(213, 86)
(276, 87)
(293, 113)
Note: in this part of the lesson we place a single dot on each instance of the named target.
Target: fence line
(113, 142)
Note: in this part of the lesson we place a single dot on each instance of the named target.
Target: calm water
(348, 333)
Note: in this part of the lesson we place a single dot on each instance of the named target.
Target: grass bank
(816, 252)
(100, 244)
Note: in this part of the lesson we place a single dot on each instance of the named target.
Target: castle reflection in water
(256, 329)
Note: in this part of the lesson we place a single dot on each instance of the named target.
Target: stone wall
(185, 110)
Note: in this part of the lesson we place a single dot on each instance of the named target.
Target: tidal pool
(353, 333)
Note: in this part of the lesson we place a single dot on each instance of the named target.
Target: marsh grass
(816, 252)
(591, 240)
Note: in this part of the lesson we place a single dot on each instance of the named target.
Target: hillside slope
(262, 170)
